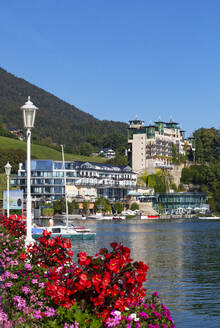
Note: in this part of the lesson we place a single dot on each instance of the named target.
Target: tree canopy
(206, 173)
(207, 145)
(14, 157)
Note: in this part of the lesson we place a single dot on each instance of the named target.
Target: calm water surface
(184, 259)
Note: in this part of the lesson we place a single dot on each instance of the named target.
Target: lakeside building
(156, 145)
(82, 178)
(177, 202)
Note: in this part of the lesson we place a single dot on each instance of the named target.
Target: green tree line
(205, 174)
(14, 157)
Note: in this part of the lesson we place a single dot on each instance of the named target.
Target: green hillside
(43, 152)
(56, 120)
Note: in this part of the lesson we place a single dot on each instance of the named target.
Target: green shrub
(134, 206)
(118, 207)
(47, 211)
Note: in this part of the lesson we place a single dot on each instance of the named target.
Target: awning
(134, 193)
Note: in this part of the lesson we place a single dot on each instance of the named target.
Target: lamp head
(29, 113)
(8, 169)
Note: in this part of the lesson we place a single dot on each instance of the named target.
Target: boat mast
(64, 173)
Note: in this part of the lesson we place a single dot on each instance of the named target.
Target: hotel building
(155, 145)
(82, 178)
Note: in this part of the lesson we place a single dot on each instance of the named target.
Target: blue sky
(116, 59)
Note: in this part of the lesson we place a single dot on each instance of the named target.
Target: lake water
(184, 259)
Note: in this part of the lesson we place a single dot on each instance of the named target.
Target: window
(58, 174)
(58, 190)
(56, 230)
(45, 165)
(58, 165)
(49, 181)
(47, 190)
(39, 181)
(58, 181)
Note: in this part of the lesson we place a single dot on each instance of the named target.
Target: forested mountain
(56, 120)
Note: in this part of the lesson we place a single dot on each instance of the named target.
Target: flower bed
(42, 287)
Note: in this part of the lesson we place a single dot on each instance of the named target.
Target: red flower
(106, 279)
(113, 245)
(67, 244)
(105, 314)
(113, 265)
(70, 253)
(83, 259)
(22, 257)
(51, 242)
(77, 271)
(96, 279)
(46, 233)
(120, 304)
(84, 282)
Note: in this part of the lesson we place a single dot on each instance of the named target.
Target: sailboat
(66, 231)
(69, 232)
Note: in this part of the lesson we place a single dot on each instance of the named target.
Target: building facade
(108, 153)
(175, 202)
(180, 203)
(82, 178)
(155, 145)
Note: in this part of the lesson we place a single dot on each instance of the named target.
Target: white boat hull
(149, 217)
(209, 217)
(65, 232)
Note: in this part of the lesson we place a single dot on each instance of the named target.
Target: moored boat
(81, 229)
(106, 217)
(118, 217)
(209, 217)
(147, 217)
(96, 216)
(69, 232)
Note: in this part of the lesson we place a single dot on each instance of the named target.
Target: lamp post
(66, 200)
(8, 172)
(29, 113)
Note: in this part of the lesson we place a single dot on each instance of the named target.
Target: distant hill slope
(43, 152)
(56, 119)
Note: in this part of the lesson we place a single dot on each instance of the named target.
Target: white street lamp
(8, 172)
(29, 113)
(66, 200)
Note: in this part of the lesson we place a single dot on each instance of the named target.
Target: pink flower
(25, 290)
(19, 302)
(50, 312)
(158, 315)
(7, 274)
(41, 284)
(37, 314)
(14, 276)
(28, 266)
(8, 284)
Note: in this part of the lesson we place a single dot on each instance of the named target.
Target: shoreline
(74, 217)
